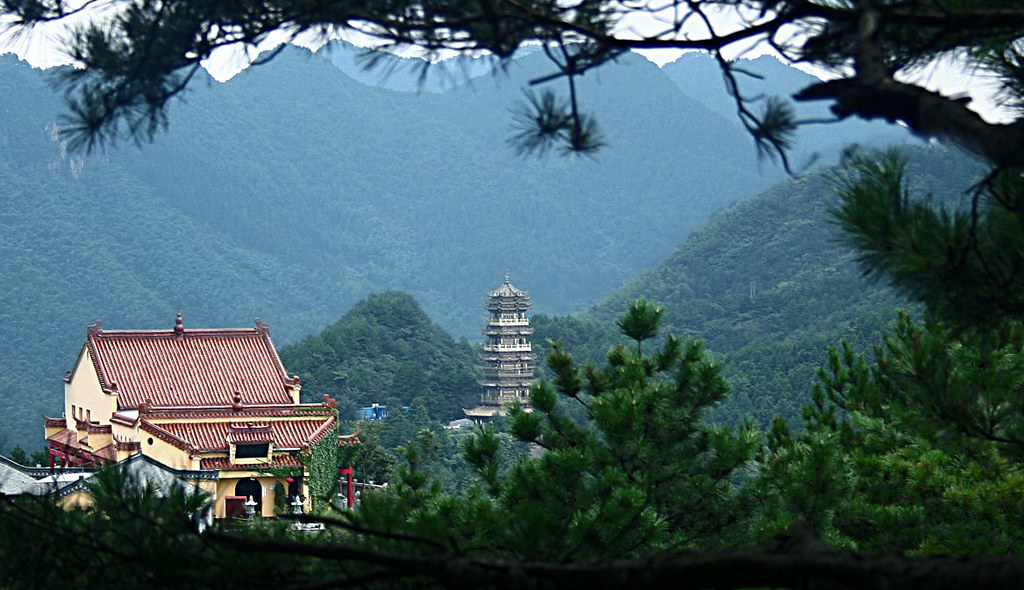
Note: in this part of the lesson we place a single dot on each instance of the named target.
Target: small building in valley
(215, 406)
(507, 359)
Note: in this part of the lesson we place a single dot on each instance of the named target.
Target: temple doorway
(249, 487)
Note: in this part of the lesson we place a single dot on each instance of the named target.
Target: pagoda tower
(507, 358)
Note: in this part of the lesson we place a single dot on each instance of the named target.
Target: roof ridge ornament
(96, 328)
(508, 291)
(179, 327)
(236, 402)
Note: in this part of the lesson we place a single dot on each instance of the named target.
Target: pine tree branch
(927, 113)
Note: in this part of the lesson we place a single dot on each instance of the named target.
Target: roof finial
(179, 326)
(506, 278)
(236, 404)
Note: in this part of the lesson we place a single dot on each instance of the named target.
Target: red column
(350, 485)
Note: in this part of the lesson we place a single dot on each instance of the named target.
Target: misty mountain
(392, 72)
(769, 284)
(820, 139)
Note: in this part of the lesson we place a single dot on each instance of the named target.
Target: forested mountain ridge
(820, 139)
(293, 191)
(375, 178)
(769, 285)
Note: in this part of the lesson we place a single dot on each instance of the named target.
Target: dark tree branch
(355, 528)
(926, 113)
(794, 560)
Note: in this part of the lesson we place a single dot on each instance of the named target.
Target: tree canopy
(634, 487)
(138, 54)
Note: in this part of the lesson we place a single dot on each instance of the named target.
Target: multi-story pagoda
(507, 357)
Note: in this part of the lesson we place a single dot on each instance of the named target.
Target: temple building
(507, 358)
(216, 406)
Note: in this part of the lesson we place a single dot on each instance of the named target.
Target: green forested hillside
(386, 350)
(769, 286)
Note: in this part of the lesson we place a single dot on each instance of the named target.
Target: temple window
(252, 451)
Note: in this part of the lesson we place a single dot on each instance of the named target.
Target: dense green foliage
(655, 474)
(386, 350)
(321, 462)
(915, 447)
(922, 446)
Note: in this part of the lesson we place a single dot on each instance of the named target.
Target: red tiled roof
(166, 436)
(189, 367)
(250, 432)
(97, 428)
(224, 464)
(117, 418)
(245, 414)
(65, 437)
(213, 436)
(107, 453)
(49, 422)
(319, 433)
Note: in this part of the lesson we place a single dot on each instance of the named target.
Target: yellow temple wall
(83, 397)
(229, 479)
(164, 452)
(76, 499)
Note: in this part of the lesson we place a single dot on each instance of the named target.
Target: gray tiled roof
(142, 471)
(15, 482)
